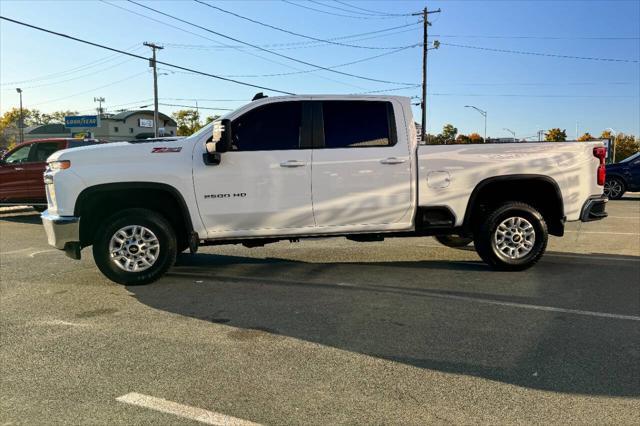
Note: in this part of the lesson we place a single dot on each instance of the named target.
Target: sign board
(145, 122)
(81, 135)
(83, 121)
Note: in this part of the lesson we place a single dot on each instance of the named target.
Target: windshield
(633, 157)
(205, 129)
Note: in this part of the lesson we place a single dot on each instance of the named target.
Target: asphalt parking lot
(325, 332)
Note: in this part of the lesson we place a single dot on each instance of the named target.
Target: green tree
(449, 133)
(555, 135)
(586, 137)
(626, 146)
(188, 121)
(211, 118)
(463, 139)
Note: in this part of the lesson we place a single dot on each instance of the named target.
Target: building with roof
(123, 126)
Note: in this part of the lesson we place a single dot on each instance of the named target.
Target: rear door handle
(293, 163)
(18, 169)
(392, 160)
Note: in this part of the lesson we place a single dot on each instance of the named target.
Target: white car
(307, 166)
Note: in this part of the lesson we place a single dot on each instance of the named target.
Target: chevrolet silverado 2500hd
(307, 166)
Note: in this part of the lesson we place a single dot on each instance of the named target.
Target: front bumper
(63, 232)
(594, 208)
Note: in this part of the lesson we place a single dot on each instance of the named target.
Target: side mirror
(220, 142)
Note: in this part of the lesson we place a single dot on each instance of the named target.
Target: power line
(538, 37)
(142, 57)
(310, 71)
(337, 14)
(91, 90)
(290, 45)
(166, 24)
(517, 95)
(369, 10)
(198, 107)
(521, 52)
(267, 50)
(73, 70)
(288, 31)
(78, 77)
(413, 86)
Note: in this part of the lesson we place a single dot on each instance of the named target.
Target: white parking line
(16, 251)
(40, 251)
(604, 232)
(589, 256)
(538, 307)
(181, 410)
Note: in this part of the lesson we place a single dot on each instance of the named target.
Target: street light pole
(21, 124)
(484, 114)
(510, 131)
(613, 142)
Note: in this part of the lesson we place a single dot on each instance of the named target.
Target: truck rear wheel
(135, 247)
(453, 241)
(513, 237)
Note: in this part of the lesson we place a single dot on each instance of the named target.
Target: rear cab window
(358, 124)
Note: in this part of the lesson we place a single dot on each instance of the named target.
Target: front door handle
(392, 160)
(17, 169)
(293, 163)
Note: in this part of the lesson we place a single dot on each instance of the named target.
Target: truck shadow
(461, 319)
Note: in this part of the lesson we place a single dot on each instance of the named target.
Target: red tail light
(600, 153)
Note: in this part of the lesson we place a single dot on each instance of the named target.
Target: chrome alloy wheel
(134, 248)
(612, 188)
(514, 238)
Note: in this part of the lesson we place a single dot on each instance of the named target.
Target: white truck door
(264, 181)
(361, 171)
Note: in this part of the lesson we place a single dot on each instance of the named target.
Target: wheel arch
(104, 199)
(494, 190)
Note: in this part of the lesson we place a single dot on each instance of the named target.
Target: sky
(520, 92)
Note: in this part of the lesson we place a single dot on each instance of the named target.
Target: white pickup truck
(286, 168)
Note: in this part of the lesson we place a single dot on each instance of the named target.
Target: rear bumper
(594, 208)
(63, 232)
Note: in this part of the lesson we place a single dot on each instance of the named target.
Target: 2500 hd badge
(237, 195)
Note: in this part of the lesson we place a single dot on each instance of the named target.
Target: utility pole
(100, 100)
(21, 117)
(425, 22)
(152, 63)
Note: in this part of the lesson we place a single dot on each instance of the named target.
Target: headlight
(60, 165)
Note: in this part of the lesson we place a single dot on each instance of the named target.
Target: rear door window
(358, 124)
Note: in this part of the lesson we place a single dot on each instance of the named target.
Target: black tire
(614, 188)
(149, 219)
(39, 209)
(485, 237)
(454, 241)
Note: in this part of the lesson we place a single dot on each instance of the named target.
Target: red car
(21, 170)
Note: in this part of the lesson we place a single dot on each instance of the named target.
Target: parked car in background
(622, 177)
(22, 167)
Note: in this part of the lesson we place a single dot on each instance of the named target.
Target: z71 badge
(165, 149)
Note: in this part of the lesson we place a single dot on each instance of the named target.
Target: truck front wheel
(135, 246)
(513, 237)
